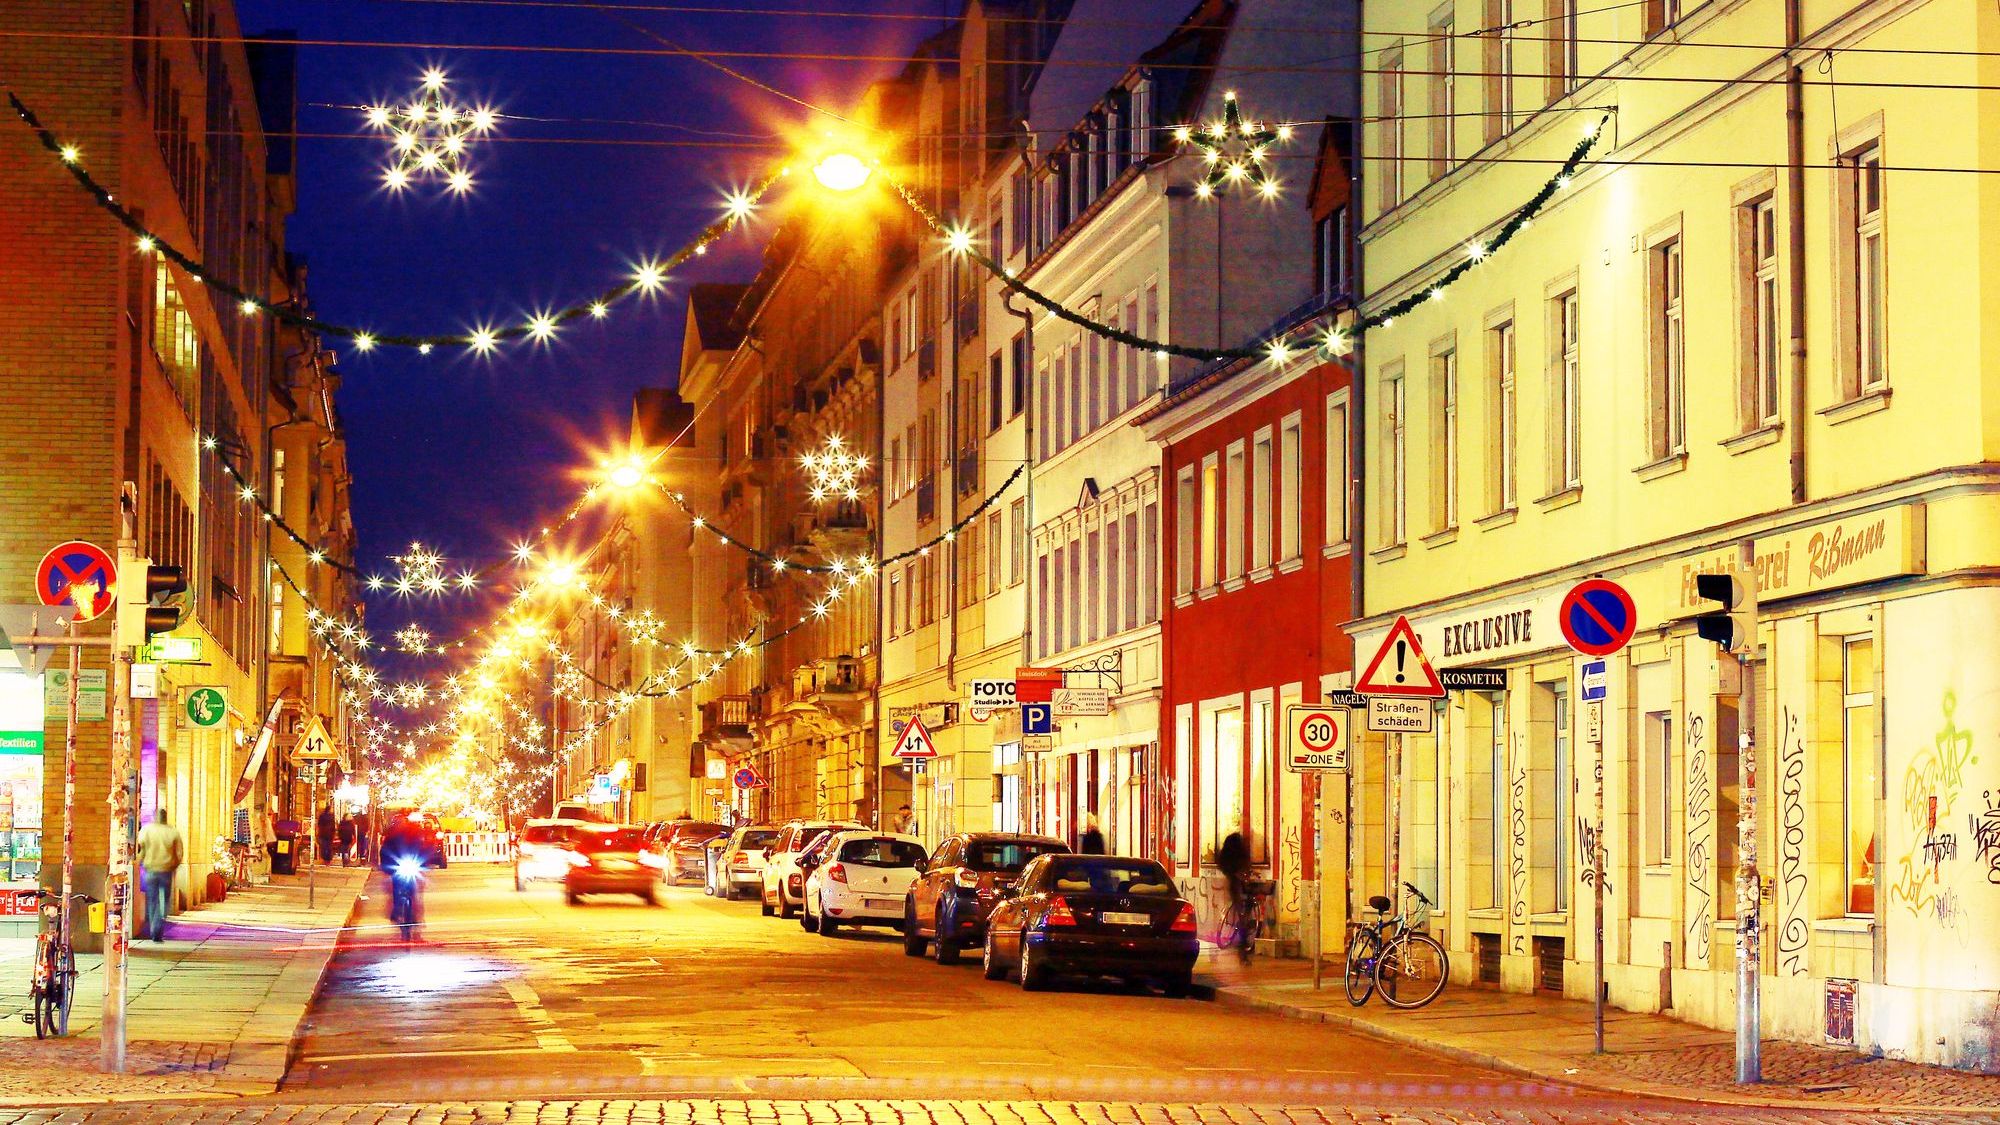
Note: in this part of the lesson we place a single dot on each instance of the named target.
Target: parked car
(576, 811)
(680, 848)
(543, 851)
(605, 859)
(738, 864)
(784, 884)
(860, 878)
(1094, 915)
(967, 875)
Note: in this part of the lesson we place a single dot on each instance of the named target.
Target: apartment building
(1713, 337)
(114, 362)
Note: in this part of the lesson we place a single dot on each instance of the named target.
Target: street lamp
(841, 171)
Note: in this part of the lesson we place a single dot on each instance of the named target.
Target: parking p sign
(1316, 737)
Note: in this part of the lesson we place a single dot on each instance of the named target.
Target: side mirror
(923, 865)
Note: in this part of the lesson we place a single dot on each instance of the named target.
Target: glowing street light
(841, 171)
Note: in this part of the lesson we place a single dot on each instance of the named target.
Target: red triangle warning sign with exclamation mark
(1399, 667)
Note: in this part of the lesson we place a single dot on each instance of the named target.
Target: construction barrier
(478, 847)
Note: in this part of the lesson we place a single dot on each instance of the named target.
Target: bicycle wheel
(1411, 972)
(1362, 952)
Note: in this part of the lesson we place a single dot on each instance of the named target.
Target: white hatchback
(860, 878)
(784, 883)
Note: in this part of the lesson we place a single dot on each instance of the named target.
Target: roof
(1098, 43)
(712, 307)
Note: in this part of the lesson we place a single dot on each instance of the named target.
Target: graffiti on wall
(1586, 846)
(1700, 835)
(1517, 850)
(1931, 787)
(1984, 828)
(1794, 933)
(1293, 868)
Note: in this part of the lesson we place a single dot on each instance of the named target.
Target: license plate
(617, 865)
(878, 903)
(1123, 918)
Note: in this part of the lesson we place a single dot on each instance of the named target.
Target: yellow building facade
(1751, 317)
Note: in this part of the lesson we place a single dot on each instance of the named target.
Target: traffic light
(145, 594)
(1734, 625)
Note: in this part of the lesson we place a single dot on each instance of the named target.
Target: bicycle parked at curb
(1393, 957)
(52, 988)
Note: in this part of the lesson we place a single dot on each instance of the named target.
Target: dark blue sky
(470, 454)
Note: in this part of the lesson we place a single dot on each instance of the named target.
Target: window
(1093, 602)
(1153, 330)
(1444, 94)
(1185, 527)
(1757, 311)
(1114, 621)
(1391, 457)
(1658, 810)
(1057, 594)
(996, 391)
(1339, 472)
(1290, 451)
(1235, 477)
(1257, 822)
(1148, 564)
(1042, 627)
(995, 549)
(1330, 254)
(1390, 122)
(1133, 561)
(1018, 548)
(1076, 380)
(1018, 194)
(1018, 358)
(1260, 500)
(1499, 67)
(1562, 47)
(1564, 791)
(1222, 778)
(1094, 377)
(1134, 361)
(1444, 440)
(1074, 634)
(1660, 15)
(1059, 400)
(1565, 418)
(1666, 390)
(1864, 274)
(176, 343)
(895, 468)
(1496, 799)
(1501, 417)
(1142, 120)
(1858, 771)
(1206, 543)
(895, 592)
(1043, 428)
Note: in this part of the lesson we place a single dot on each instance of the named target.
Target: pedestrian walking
(1092, 842)
(160, 855)
(361, 841)
(1232, 858)
(344, 839)
(326, 827)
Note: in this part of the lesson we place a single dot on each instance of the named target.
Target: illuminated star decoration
(429, 137)
(420, 571)
(414, 639)
(1234, 150)
(835, 471)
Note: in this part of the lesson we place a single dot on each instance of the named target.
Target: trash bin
(284, 856)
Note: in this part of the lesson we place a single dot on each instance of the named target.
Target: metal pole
(1597, 886)
(312, 833)
(1749, 1013)
(69, 792)
(1319, 874)
(118, 871)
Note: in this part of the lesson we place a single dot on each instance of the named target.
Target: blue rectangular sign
(1038, 718)
(1593, 681)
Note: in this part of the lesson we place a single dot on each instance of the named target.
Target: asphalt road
(700, 995)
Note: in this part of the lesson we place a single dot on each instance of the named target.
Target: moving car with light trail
(859, 878)
(606, 859)
(542, 855)
(1094, 915)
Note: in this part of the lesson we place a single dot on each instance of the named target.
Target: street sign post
(145, 681)
(1038, 719)
(1399, 667)
(1315, 737)
(1081, 701)
(1593, 682)
(1597, 617)
(985, 698)
(206, 706)
(1036, 685)
(1389, 715)
(747, 778)
(916, 741)
(314, 745)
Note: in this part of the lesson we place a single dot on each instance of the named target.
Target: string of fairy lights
(429, 140)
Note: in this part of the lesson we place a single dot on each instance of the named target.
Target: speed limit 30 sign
(1315, 737)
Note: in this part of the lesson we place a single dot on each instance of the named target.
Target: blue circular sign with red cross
(83, 567)
(1598, 617)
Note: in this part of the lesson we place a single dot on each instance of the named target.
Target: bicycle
(52, 987)
(1390, 956)
(1244, 919)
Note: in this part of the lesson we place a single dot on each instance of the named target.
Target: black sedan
(1094, 915)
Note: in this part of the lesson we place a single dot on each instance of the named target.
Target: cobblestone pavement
(66, 1070)
(1386, 1108)
(1807, 1073)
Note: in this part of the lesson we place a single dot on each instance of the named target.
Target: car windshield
(759, 838)
(881, 853)
(1006, 855)
(621, 840)
(1113, 877)
(538, 834)
(697, 828)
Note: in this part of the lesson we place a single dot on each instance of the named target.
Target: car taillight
(578, 859)
(965, 878)
(741, 857)
(1184, 921)
(1058, 914)
(837, 873)
(795, 883)
(652, 859)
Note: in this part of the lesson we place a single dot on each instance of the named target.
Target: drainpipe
(1795, 186)
(1029, 790)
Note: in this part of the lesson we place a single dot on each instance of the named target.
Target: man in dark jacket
(326, 825)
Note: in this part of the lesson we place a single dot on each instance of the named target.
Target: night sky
(470, 454)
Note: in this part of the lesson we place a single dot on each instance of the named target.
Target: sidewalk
(1550, 1038)
(213, 1011)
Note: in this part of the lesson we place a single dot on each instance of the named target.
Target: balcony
(727, 719)
(829, 695)
(840, 531)
(966, 470)
(927, 499)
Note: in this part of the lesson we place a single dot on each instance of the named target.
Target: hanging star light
(413, 639)
(1234, 151)
(430, 136)
(419, 570)
(835, 471)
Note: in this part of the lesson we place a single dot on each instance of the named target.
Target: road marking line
(529, 1004)
(441, 1053)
